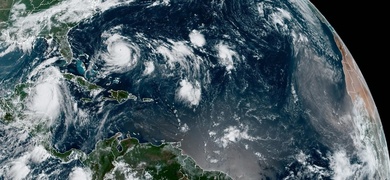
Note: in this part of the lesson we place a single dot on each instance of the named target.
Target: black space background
(362, 27)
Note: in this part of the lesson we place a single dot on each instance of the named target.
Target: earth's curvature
(182, 89)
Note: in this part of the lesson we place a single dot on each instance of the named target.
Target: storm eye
(182, 89)
(121, 54)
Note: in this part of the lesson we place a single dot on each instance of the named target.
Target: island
(145, 160)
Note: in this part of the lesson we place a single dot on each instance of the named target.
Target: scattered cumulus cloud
(197, 38)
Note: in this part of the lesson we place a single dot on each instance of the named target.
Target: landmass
(115, 157)
(355, 83)
(81, 81)
(164, 161)
(58, 30)
(118, 158)
(110, 156)
(38, 5)
(121, 95)
(118, 95)
(60, 35)
(5, 8)
(358, 90)
(147, 100)
(11, 106)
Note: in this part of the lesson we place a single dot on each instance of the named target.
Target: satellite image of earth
(182, 89)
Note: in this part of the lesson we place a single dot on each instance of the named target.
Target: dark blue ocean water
(256, 95)
(266, 79)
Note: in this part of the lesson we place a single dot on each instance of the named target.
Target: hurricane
(182, 89)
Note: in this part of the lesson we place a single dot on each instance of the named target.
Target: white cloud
(260, 9)
(25, 28)
(177, 53)
(280, 16)
(180, 56)
(341, 166)
(122, 54)
(226, 56)
(39, 154)
(19, 169)
(7, 50)
(79, 173)
(233, 134)
(213, 160)
(46, 96)
(197, 38)
(184, 128)
(370, 148)
(190, 93)
(294, 93)
(124, 169)
(46, 100)
(149, 67)
(160, 2)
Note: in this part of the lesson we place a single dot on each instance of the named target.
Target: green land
(58, 30)
(118, 95)
(12, 106)
(5, 8)
(59, 33)
(164, 161)
(38, 5)
(32, 6)
(81, 81)
(121, 95)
